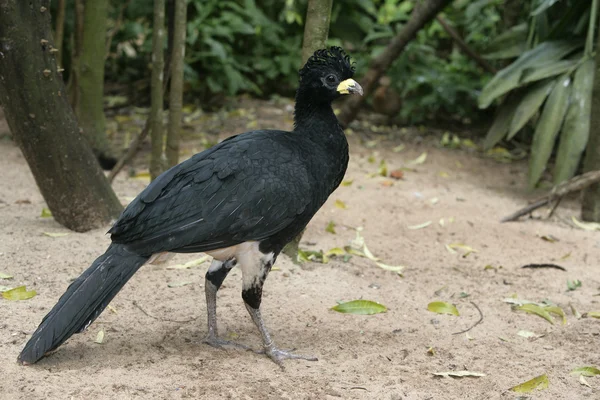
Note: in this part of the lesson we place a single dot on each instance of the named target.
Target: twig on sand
(135, 303)
(476, 323)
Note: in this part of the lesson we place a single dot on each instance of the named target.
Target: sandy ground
(382, 356)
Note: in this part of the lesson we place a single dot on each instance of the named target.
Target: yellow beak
(349, 86)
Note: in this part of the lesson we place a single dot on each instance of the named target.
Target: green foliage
(552, 77)
(433, 76)
(253, 46)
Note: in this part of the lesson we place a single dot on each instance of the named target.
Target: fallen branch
(574, 184)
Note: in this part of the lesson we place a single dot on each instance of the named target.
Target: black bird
(240, 201)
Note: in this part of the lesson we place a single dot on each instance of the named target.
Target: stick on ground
(574, 184)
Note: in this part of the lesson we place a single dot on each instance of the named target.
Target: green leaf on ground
(19, 293)
(586, 371)
(574, 284)
(5, 276)
(46, 213)
(347, 182)
(330, 227)
(442, 307)
(558, 311)
(593, 314)
(383, 169)
(539, 382)
(336, 251)
(360, 307)
(340, 204)
(537, 310)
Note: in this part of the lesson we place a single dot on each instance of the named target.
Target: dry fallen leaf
(100, 337)
(588, 226)
(419, 160)
(5, 276)
(419, 226)
(55, 234)
(397, 174)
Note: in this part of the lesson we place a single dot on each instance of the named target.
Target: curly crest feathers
(331, 58)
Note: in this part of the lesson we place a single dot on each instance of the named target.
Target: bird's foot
(278, 355)
(218, 343)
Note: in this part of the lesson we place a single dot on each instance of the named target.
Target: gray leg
(215, 276)
(255, 270)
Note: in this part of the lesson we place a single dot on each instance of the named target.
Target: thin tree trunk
(590, 209)
(316, 29)
(176, 92)
(423, 13)
(42, 122)
(90, 107)
(73, 85)
(157, 136)
(60, 30)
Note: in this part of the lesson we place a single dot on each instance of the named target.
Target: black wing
(248, 187)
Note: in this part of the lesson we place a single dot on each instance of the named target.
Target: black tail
(83, 301)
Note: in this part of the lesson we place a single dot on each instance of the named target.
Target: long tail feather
(83, 301)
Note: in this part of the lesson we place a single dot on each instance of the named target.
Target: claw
(221, 343)
(278, 356)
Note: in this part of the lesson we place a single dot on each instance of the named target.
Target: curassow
(240, 201)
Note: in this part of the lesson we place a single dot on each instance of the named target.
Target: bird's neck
(317, 120)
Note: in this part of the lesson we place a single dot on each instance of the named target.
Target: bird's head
(327, 75)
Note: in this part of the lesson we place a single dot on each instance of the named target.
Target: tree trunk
(316, 27)
(90, 106)
(44, 125)
(157, 165)
(590, 210)
(77, 39)
(176, 94)
(60, 30)
(423, 13)
(316, 30)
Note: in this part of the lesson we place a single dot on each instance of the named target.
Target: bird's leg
(215, 276)
(253, 280)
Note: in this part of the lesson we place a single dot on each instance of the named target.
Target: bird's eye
(330, 79)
